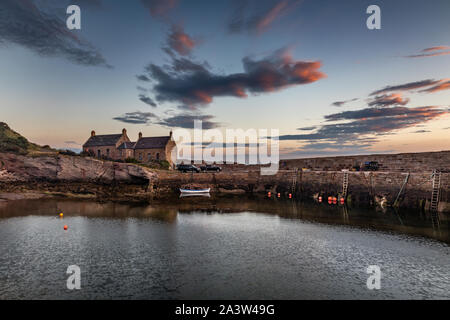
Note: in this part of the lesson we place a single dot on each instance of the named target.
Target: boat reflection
(167, 209)
(186, 195)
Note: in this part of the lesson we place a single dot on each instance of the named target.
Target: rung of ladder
(436, 185)
(294, 180)
(345, 184)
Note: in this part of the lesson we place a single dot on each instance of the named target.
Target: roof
(127, 145)
(103, 140)
(152, 142)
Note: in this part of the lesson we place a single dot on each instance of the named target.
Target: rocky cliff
(62, 168)
(74, 176)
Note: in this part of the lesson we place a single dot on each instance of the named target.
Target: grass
(11, 141)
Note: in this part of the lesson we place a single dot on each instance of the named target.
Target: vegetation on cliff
(11, 141)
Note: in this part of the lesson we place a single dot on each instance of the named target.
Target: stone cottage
(119, 147)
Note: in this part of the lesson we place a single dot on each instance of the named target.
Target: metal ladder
(345, 184)
(401, 189)
(294, 181)
(436, 191)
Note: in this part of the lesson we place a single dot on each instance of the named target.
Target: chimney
(170, 134)
(140, 135)
(124, 131)
(92, 133)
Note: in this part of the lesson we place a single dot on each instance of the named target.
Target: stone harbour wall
(111, 180)
(404, 162)
(363, 187)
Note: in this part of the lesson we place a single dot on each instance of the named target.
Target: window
(99, 153)
(107, 153)
(140, 156)
(157, 156)
(149, 156)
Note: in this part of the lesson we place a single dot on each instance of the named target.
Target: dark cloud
(424, 55)
(147, 100)
(407, 86)
(387, 100)
(141, 89)
(136, 117)
(421, 131)
(24, 23)
(364, 126)
(187, 107)
(159, 8)
(257, 16)
(431, 52)
(180, 41)
(142, 77)
(307, 128)
(341, 103)
(187, 121)
(422, 113)
(180, 65)
(192, 83)
(436, 48)
(443, 85)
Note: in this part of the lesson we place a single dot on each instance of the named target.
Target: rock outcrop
(62, 168)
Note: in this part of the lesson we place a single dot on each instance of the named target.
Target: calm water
(232, 248)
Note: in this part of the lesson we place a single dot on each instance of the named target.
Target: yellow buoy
(61, 215)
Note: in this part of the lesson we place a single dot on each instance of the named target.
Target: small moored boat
(194, 191)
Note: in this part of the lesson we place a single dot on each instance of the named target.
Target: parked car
(187, 168)
(371, 166)
(210, 167)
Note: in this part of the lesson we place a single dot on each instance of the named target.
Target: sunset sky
(310, 68)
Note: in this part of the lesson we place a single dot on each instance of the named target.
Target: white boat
(193, 191)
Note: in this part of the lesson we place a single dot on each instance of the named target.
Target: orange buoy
(334, 200)
(269, 194)
(278, 195)
(290, 196)
(342, 200)
(61, 215)
(320, 199)
(65, 227)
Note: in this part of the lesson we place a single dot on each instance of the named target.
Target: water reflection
(407, 221)
(218, 248)
(187, 195)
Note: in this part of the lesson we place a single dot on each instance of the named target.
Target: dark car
(187, 168)
(210, 167)
(371, 166)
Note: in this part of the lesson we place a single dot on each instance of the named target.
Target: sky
(310, 68)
